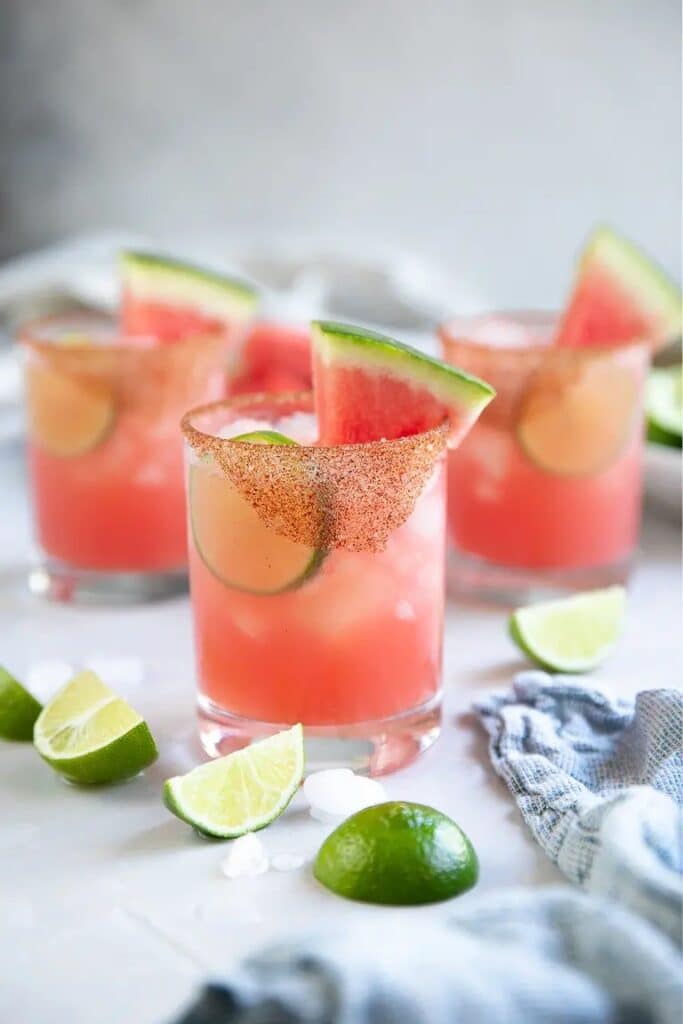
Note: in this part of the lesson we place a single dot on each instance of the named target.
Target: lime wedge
(235, 543)
(90, 735)
(242, 792)
(18, 709)
(574, 634)
(397, 853)
(664, 406)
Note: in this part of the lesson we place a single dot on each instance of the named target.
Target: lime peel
(19, 709)
(397, 854)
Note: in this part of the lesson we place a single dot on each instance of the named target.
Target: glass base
(59, 582)
(475, 578)
(374, 748)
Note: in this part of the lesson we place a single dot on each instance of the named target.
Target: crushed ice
(244, 425)
(246, 859)
(336, 793)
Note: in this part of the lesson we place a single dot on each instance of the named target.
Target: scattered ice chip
(336, 793)
(44, 678)
(287, 861)
(246, 859)
(124, 671)
(244, 425)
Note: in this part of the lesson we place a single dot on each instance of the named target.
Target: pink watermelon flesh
(601, 313)
(369, 387)
(275, 358)
(354, 406)
(620, 296)
(167, 323)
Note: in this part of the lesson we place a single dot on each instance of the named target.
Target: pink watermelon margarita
(317, 556)
(547, 487)
(104, 402)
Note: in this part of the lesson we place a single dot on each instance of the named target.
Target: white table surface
(113, 910)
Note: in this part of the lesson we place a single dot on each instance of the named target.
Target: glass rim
(527, 316)
(28, 334)
(262, 398)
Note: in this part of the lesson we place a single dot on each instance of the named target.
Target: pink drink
(549, 479)
(105, 459)
(319, 599)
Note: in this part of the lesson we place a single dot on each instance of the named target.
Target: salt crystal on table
(44, 678)
(337, 793)
(124, 671)
(246, 859)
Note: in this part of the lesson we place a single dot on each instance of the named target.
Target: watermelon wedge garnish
(620, 296)
(369, 387)
(169, 299)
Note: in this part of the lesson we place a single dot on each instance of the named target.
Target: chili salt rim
(351, 496)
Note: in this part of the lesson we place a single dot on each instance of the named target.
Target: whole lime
(397, 853)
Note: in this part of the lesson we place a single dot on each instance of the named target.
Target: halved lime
(18, 709)
(397, 853)
(235, 543)
(664, 405)
(573, 634)
(242, 792)
(67, 415)
(90, 735)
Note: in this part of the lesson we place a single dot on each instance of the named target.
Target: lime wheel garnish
(235, 542)
(68, 415)
(576, 420)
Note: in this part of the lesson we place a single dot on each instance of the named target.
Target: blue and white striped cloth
(600, 784)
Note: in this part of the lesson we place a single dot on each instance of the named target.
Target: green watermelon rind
(368, 350)
(162, 279)
(664, 406)
(656, 295)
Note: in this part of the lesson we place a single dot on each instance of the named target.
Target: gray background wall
(486, 134)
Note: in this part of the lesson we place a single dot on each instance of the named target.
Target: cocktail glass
(105, 459)
(545, 491)
(317, 584)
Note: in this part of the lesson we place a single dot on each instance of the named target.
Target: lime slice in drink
(397, 853)
(67, 416)
(90, 735)
(574, 634)
(664, 406)
(243, 791)
(235, 543)
(577, 424)
(18, 709)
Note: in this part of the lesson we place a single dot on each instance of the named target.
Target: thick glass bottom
(473, 578)
(376, 747)
(60, 582)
